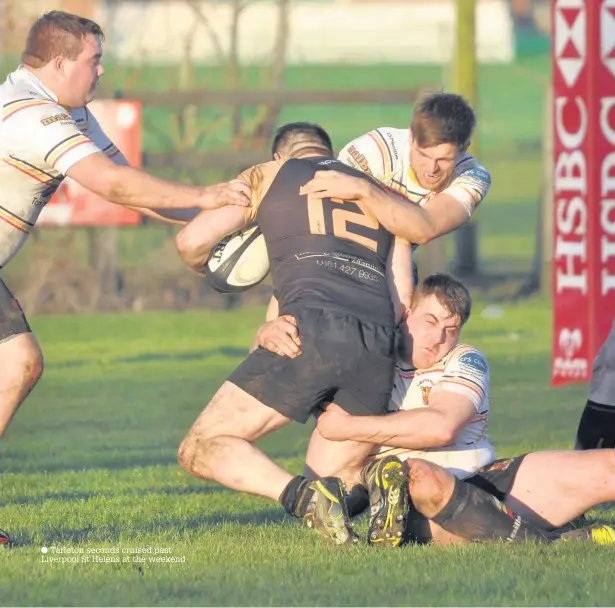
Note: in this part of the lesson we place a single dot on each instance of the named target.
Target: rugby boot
(387, 484)
(601, 534)
(4, 539)
(326, 512)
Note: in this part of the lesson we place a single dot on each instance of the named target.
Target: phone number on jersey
(351, 270)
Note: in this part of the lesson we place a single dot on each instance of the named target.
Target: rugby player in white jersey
(47, 133)
(427, 164)
(438, 425)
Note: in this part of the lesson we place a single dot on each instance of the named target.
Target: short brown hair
(299, 136)
(450, 292)
(442, 118)
(57, 33)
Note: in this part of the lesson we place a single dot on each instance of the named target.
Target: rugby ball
(238, 262)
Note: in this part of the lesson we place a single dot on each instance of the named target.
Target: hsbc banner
(584, 184)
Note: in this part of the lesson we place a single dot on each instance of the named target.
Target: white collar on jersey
(24, 74)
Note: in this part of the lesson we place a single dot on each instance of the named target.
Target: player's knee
(23, 365)
(196, 452)
(426, 485)
(186, 454)
(35, 365)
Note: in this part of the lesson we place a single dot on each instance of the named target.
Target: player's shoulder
(469, 167)
(16, 88)
(22, 102)
(379, 152)
(390, 137)
(465, 357)
(259, 174)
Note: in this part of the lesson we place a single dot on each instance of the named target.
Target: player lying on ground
(597, 424)
(331, 266)
(439, 428)
(48, 133)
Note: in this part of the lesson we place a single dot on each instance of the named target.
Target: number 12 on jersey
(336, 217)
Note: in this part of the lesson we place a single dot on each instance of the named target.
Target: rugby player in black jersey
(343, 278)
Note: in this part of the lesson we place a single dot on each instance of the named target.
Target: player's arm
(273, 309)
(92, 160)
(170, 216)
(399, 277)
(456, 399)
(443, 213)
(417, 429)
(196, 240)
(134, 188)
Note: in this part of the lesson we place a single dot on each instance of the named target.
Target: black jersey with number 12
(324, 253)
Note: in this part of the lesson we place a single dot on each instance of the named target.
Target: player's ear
(279, 158)
(59, 63)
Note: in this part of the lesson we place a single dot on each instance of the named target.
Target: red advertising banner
(603, 125)
(584, 184)
(73, 205)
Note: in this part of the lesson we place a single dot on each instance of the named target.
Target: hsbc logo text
(570, 40)
(607, 130)
(571, 127)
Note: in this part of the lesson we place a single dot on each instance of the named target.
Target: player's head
(442, 127)
(440, 306)
(65, 51)
(300, 139)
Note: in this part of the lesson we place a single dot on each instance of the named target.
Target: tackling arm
(134, 188)
(416, 429)
(413, 223)
(399, 277)
(171, 216)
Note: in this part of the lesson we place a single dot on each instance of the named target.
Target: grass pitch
(89, 472)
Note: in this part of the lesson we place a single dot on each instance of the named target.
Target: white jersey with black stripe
(385, 155)
(39, 141)
(465, 371)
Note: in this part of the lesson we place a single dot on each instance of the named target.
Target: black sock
(296, 496)
(357, 500)
(475, 514)
(596, 427)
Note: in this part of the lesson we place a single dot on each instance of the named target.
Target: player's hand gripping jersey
(385, 155)
(465, 371)
(39, 142)
(324, 253)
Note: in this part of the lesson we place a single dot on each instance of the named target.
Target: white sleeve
(368, 154)
(466, 373)
(51, 132)
(471, 184)
(100, 138)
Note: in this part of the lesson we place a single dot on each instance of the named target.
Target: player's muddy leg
(219, 447)
(555, 487)
(219, 444)
(21, 368)
(463, 509)
(344, 459)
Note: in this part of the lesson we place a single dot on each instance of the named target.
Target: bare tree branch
(202, 19)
